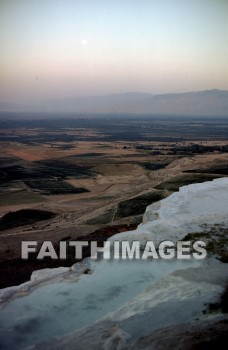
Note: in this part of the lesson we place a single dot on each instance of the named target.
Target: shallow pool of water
(56, 309)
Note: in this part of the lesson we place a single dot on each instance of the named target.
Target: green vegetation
(20, 197)
(102, 219)
(88, 155)
(137, 205)
(216, 240)
(46, 169)
(222, 170)
(52, 187)
(198, 149)
(23, 217)
(46, 177)
(175, 183)
(154, 166)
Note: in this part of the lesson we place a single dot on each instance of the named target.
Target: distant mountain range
(209, 102)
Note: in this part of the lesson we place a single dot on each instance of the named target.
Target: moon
(84, 42)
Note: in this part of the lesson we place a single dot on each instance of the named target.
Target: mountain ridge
(205, 102)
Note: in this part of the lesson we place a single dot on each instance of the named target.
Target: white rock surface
(48, 273)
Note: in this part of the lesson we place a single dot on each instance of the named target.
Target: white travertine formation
(195, 208)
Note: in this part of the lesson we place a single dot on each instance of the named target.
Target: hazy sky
(66, 48)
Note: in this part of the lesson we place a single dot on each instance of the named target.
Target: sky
(68, 48)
